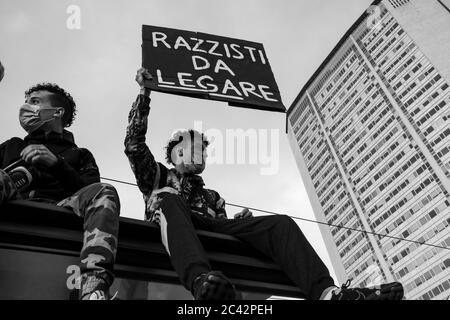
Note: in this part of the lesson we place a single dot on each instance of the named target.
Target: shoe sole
(389, 291)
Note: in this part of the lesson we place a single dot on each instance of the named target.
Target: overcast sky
(97, 64)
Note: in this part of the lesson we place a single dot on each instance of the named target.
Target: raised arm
(142, 161)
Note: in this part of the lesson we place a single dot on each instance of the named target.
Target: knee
(112, 195)
(109, 189)
(170, 198)
(283, 221)
(107, 195)
(170, 203)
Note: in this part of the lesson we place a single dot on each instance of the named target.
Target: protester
(48, 166)
(177, 200)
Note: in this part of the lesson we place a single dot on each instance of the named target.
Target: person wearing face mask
(48, 166)
(178, 202)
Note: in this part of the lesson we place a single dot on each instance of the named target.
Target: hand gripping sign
(210, 67)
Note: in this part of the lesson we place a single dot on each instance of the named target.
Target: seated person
(48, 166)
(177, 200)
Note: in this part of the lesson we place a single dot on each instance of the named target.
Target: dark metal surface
(41, 230)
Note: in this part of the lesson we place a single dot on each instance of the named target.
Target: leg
(186, 252)
(180, 239)
(99, 205)
(8, 190)
(281, 239)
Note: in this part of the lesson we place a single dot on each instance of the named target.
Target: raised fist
(142, 75)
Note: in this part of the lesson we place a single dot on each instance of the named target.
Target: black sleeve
(72, 179)
(2, 153)
(10, 151)
(221, 213)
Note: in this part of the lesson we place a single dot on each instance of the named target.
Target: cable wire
(343, 227)
(119, 181)
(310, 220)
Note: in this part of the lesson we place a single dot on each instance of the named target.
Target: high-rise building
(370, 132)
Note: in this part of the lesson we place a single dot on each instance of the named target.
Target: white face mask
(30, 117)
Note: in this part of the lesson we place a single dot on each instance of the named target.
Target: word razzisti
(210, 67)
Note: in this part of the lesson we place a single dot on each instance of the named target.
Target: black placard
(210, 67)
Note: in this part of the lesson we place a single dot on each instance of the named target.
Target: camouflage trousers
(98, 204)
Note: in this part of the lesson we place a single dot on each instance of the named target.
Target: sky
(97, 63)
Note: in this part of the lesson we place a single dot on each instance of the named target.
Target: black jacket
(75, 169)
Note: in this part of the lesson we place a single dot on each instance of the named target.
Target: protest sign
(210, 67)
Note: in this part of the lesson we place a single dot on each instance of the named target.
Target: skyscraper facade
(370, 132)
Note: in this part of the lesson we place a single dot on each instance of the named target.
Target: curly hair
(177, 138)
(60, 97)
